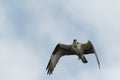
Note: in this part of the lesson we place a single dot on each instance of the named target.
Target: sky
(30, 30)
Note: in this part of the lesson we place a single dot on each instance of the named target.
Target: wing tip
(49, 72)
(49, 68)
(99, 65)
(48, 65)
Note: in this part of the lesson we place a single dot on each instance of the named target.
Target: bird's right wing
(89, 49)
(59, 51)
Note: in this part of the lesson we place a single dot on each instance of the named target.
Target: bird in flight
(75, 48)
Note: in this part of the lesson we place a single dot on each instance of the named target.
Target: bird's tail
(83, 59)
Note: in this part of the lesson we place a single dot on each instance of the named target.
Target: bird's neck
(74, 45)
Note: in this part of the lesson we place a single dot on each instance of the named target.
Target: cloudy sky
(30, 29)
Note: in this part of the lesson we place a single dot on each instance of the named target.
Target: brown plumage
(63, 49)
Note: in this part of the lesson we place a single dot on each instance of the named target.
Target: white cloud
(112, 72)
(18, 61)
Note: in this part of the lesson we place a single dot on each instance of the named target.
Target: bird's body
(74, 49)
(78, 48)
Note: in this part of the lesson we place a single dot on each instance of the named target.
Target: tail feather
(83, 59)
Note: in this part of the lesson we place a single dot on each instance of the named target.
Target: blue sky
(30, 29)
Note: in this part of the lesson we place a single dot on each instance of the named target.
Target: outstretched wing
(89, 49)
(59, 51)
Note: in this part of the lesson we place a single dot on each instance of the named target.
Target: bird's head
(74, 40)
(75, 43)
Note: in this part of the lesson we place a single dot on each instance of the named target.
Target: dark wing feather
(89, 49)
(59, 51)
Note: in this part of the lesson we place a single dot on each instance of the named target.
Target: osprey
(75, 48)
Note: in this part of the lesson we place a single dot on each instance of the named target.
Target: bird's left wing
(59, 51)
(89, 49)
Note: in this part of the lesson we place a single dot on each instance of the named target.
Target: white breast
(78, 48)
